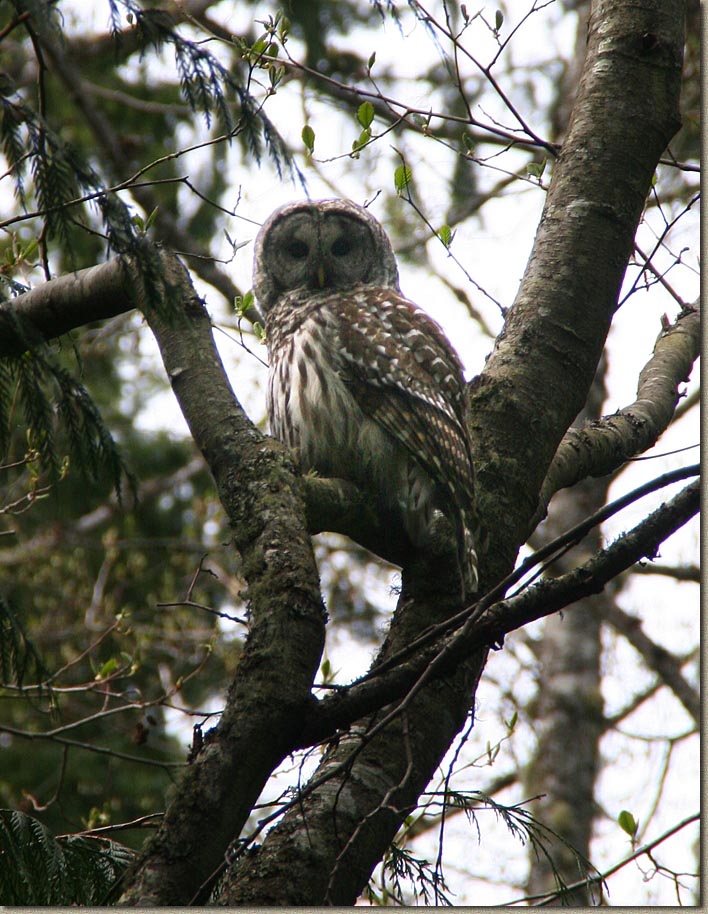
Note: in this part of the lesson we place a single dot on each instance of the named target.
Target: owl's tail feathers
(467, 554)
(459, 527)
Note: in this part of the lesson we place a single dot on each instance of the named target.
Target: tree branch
(38, 547)
(338, 506)
(537, 378)
(311, 825)
(271, 690)
(599, 447)
(61, 305)
(168, 224)
(590, 578)
(326, 848)
(534, 384)
(677, 572)
(657, 658)
(493, 623)
(551, 897)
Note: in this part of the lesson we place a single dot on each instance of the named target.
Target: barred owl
(363, 385)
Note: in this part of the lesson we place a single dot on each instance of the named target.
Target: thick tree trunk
(367, 783)
(534, 385)
(538, 376)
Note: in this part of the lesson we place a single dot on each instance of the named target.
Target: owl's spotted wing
(405, 376)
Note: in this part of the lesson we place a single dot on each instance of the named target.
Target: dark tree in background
(160, 586)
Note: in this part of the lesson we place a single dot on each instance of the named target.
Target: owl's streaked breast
(312, 409)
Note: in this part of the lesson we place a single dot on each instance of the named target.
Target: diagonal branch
(534, 384)
(491, 625)
(600, 447)
(656, 657)
(536, 380)
(590, 578)
(104, 291)
(341, 776)
(272, 688)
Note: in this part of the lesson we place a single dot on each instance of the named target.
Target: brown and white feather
(363, 384)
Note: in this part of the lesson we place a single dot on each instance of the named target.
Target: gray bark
(552, 341)
(271, 692)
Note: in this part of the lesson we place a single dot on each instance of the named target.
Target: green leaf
(468, 143)
(536, 169)
(445, 235)
(498, 20)
(308, 138)
(242, 303)
(627, 823)
(365, 114)
(275, 75)
(258, 47)
(151, 219)
(372, 60)
(361, 141)
(402, 177)
(110, 666)
(283, 29)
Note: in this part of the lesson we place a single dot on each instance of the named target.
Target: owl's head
(320, 245)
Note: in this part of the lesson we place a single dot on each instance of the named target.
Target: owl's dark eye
(298, 249)
(341, 247)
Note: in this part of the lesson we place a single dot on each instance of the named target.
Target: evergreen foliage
(19, 658)
(37, 868)
(51, 399)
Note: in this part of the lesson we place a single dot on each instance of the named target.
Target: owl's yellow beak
(321, 276)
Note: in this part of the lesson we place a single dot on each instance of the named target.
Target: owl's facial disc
(315, 250)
